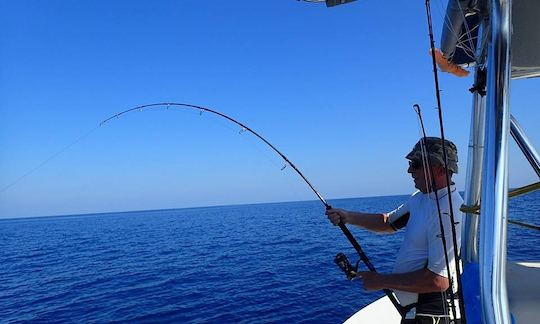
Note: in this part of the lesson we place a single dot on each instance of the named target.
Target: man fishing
(420, 278)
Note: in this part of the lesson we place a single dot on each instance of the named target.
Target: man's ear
(439, 170)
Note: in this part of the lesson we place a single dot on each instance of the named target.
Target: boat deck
(523, 285)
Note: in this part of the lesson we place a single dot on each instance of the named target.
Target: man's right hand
(337, 215)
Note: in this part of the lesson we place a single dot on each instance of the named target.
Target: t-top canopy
(459, 36)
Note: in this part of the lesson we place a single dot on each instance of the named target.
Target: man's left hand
(371, 280)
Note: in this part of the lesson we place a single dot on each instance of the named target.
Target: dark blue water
(251, 263)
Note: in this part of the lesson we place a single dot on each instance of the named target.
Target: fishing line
(47, 160)
(445, 160)
(342, 226)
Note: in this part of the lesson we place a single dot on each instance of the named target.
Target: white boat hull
(380, 311)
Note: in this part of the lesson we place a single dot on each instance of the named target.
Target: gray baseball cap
(434, 147)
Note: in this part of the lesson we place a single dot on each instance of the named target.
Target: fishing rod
(342, 226)
(425, 158)
(445, 158)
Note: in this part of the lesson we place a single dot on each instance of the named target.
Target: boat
(498, 39)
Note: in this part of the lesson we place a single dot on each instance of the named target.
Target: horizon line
(180, 208)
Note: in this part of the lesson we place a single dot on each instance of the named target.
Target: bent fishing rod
(342, 226)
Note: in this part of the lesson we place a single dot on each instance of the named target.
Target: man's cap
(434, 148)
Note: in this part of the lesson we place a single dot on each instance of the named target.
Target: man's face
(416, 169)
(418, 173)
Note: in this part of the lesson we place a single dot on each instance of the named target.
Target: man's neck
(438, 186)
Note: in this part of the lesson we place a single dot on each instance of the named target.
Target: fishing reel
(345, 266)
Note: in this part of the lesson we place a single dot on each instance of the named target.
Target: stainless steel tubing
(525, 145)
(494, 297)
(469, 235)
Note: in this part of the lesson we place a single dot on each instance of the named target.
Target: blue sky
(331, 88)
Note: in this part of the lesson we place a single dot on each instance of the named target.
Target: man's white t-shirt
(422, 246)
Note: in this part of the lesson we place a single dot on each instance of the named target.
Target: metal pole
(493, 215)
(469, 239)
(525, 145)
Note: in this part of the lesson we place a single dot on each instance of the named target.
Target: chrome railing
(493, 215)
(469, 250)
(525, 145)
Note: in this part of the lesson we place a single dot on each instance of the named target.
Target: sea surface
(262, 263)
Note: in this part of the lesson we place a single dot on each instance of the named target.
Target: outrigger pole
(342, 226)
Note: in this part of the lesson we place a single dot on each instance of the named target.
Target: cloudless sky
(332, 88)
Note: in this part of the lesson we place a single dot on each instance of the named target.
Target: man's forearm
(420, 281)
(373, 222)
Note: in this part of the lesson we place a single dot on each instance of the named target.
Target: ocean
(262, 263)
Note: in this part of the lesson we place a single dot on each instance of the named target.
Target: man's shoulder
(457, 199)
(457, 202)
(416, 195)
(457, 196)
